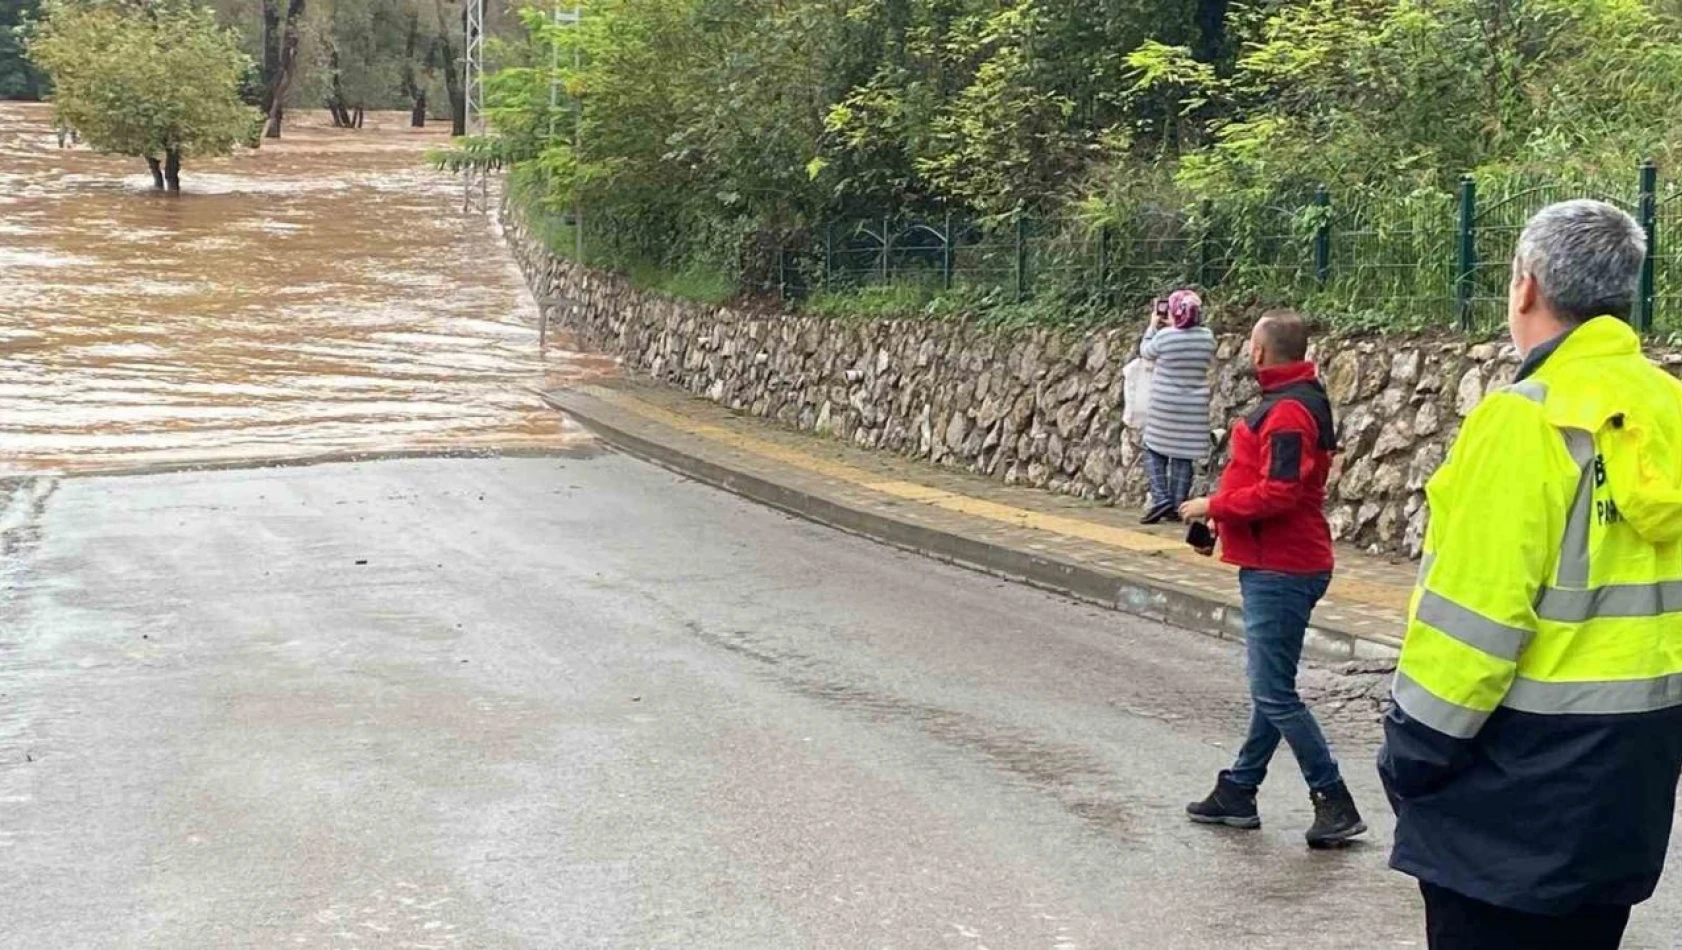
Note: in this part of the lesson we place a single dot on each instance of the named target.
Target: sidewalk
(1072, 546)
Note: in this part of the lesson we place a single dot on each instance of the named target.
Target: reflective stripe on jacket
(1535, 746)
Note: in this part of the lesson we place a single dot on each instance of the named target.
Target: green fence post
(1106, 287)
(1650, 224)
(1323, 237)
(1201, 277)
(946, 254)
(887, 249)
(1021, 256)
(1467, 264)
(828, 254)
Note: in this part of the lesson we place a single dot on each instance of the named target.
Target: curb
(1142, 597)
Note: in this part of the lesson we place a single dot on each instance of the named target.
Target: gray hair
(1586, 258)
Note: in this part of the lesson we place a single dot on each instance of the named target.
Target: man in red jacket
(1268, 516)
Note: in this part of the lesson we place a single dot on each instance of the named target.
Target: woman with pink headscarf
(1177, 425)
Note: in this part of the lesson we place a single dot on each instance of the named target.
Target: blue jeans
(1276, 612)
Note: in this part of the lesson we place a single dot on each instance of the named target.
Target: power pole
(574, 19)
(478, 179)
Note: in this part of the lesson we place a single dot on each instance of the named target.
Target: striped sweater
(1178, 423)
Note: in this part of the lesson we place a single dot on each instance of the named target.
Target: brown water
(322, 296)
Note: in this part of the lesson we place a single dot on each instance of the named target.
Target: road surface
(577, 702)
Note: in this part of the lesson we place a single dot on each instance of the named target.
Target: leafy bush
(1189, 137)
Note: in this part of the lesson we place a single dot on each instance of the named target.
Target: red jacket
(1268, 508)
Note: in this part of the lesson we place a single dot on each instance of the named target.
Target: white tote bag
(1136, 393)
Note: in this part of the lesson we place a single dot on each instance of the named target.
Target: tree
(271, 54)
(707, 124)
(18, 79)
(448, 57)
(1211, 30)
(157, 80)
(358, 56)
(417, 67)
(281, 37)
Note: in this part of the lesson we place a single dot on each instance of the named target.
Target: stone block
(957, 429)
(1098, 355)
(1342, 376)
(1428, 421)
(1396, 436)
(1469, 392)
(1404, 369)
(1356, 480)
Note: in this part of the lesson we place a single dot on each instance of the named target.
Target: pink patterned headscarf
(1185, 309)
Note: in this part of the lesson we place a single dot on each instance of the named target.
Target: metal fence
(1429, 259)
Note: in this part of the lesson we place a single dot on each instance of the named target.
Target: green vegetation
(355, 56)
(159, 81)
(346, 56)
(1033, 159)
(557, 231)
(1145, 143)
(18, 79)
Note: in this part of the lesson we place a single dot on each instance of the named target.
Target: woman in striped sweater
(1177, 426)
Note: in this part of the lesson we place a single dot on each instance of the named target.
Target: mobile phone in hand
(1201, 538)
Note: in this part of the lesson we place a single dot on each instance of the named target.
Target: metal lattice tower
(478, 189)
(574, 19)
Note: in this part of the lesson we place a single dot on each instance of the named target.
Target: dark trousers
(1170, 479)
(1456, 922)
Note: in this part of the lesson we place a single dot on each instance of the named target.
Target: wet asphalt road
(577, 702)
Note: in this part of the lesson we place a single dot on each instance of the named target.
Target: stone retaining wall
(1035, 407)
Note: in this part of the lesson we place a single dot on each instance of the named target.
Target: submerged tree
(360, 47)
(159, 81)
(281, 39)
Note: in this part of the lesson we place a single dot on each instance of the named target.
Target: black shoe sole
(1158, 515)
(1250, 823)
(1338, 839)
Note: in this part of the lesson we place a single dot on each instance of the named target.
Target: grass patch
(978, 303)
(696, 284)
(873, 302)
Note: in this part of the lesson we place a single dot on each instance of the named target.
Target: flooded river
(322, 296)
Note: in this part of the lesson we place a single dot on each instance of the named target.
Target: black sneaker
(1229, 804)
(1160, 513)
(1336, 819)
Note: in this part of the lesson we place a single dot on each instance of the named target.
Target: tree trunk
(452, 84)
(336, 91)
(1211, 30)
(288, 68)
(411, 85)
(271, 53)
(444, 57)
(172, 171)
(360, 115)
(157, 172)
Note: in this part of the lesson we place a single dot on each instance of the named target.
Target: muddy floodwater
(322, 296)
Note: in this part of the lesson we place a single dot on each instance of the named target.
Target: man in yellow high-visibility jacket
(1534, 749)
